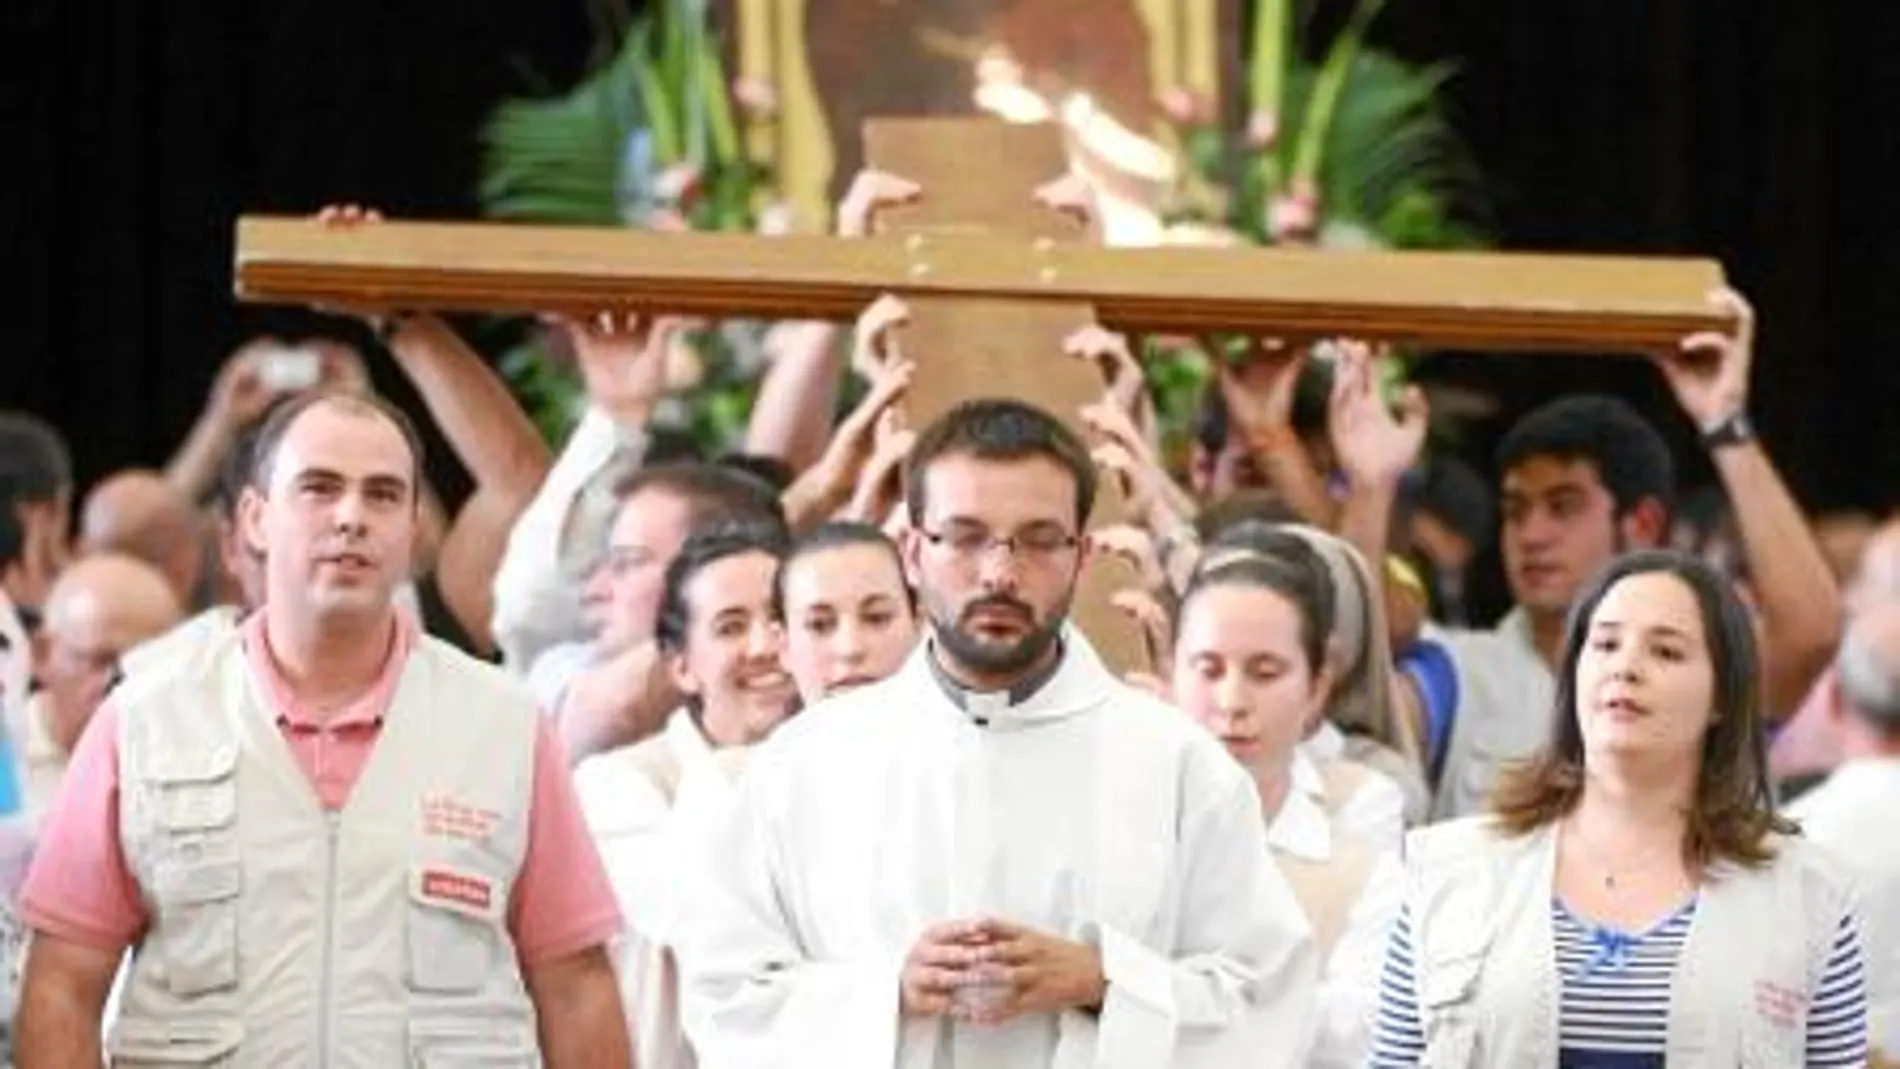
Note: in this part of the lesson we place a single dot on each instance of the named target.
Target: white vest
(196, 637)
(1484, 956)
(281, 934)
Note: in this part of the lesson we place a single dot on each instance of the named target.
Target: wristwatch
(1732, 429)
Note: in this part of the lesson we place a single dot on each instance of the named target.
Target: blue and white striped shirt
(1613, 1008)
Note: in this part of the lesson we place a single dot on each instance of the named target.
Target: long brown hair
(1733, 814)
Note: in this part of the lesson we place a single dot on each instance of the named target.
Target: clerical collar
(979, 703)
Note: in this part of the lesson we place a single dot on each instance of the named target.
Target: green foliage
(653, 130)
(1363, 129)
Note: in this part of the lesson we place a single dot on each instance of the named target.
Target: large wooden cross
(995, 282)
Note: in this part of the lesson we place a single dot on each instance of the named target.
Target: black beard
(981, 657)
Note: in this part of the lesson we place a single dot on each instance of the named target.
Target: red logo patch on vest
(444, 886)
(1781, 1006)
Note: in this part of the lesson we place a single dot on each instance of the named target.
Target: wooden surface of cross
(980, 177)
(995, 282)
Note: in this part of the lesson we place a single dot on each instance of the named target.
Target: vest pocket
(471, 1044)
(1447, 991)
(198, 928)
(135, 1043)
(450, 929)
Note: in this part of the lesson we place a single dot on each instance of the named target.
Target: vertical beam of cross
(979, 176)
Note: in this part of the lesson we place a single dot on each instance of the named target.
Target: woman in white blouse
(1252, 663)
(1358, 739)
(651, 806)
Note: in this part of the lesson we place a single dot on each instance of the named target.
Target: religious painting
(1096, 67)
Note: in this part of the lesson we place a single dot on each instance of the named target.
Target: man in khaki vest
(327, 839)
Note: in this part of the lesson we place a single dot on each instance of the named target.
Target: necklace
(1642, 863)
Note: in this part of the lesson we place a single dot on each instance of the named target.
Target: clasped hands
(989, 971)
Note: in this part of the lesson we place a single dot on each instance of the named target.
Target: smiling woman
(720, 631)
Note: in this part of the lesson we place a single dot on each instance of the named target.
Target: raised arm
(498, 444)
(1259, 393)
(1800, 601)
(1376, 446)
(241, 392)
(537, 595)
(791, 415)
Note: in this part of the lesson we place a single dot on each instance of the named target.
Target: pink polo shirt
(80, 889)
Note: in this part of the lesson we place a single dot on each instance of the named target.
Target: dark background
(1758, 133)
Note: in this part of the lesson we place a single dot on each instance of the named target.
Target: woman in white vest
(1252, 664)
(850, 618)
(650, 805)
(1633, 899)
(1372, 763)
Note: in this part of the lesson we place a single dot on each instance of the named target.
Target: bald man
(139, 514)
(1809, 744)
(1852, 811)
(100, 607)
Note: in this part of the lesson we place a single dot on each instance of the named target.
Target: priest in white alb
(1001, 857)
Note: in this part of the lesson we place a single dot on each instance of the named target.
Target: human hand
(1260, 390)
(240, 392)
(854, 442)
(937, 966)
(1709, 370)
(622, 360)
(1111, 354)
(1126, 454)
(1157, 630)
(874, 336)
(870, 192)
(1132, 544)
(339, 366)
(352, 217)
(880, 486)
(1023, 972)
(1375, 444)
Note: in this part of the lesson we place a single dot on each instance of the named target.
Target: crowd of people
(794, 756)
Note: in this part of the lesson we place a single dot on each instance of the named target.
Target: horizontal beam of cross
(1448, 299)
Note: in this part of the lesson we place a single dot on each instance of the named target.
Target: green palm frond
(595, 157)
(1392, 162)
(1370, 131)
(559, 160)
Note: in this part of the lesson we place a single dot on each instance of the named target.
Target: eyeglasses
(1035, 545)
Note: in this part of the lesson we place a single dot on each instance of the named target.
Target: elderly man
(1810, 744)
(100, 607)
(1852, 810)
(402, 811)
(139, 514)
